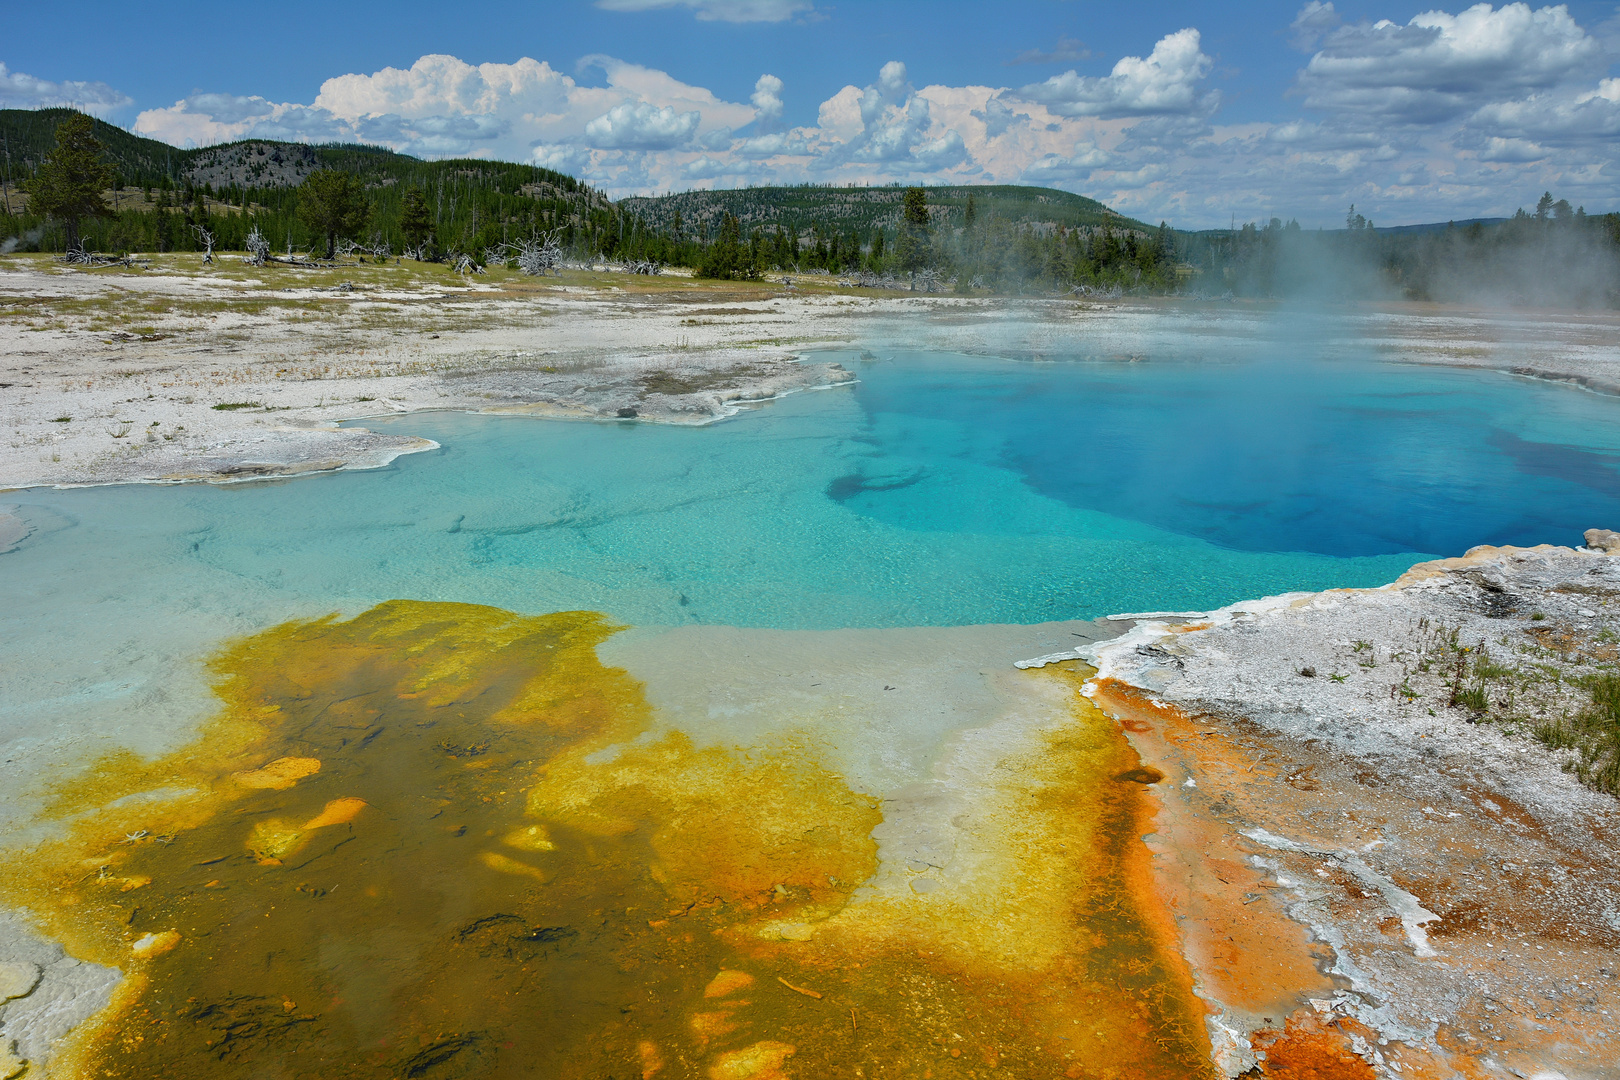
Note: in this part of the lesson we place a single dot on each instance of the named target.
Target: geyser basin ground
(941, 491)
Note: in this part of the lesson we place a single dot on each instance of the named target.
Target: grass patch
(232, 406)
(1593, 735)
(63, 420)
(674, 383)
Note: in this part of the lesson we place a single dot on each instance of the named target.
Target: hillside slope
(26, 135)
(863, 209)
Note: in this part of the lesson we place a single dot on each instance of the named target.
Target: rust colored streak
(1248, 953)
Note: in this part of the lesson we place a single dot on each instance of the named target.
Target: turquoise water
(939, 490)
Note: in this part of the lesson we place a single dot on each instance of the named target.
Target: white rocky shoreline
(188, 373)
(1464, 883)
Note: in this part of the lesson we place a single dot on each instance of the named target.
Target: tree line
(1556, 254)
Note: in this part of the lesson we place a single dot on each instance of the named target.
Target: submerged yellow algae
(484, 863)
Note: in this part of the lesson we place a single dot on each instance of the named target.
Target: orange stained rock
(505, 864)
(336, 812)
(709, 1026)
(280, 774)
(727, 982)
(761, 1061)
(273, 840)
(652, 1060)
(532, 838)
(149, 945)
(1311, 1050)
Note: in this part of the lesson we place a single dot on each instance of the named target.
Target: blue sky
(1187, 112)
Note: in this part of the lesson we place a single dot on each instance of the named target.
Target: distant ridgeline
(863, 209)
(1001, 238)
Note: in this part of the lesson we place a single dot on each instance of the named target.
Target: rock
(18, 978)
(10, 1064)
(13, 529)
(627, 413)
(763, 1061)
(65, 992)
(279, 774)
(150, 945)
(1603, 540)
(728, 982)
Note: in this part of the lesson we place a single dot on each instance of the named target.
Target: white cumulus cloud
(767, 99)
(20, 91)
(1518, 98)
(1314, 19)
(1440, 66)
(1567, 116)
(640, 126)
(1166, 82)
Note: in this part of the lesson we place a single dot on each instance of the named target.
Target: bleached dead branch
(81, 256)
(258, 248)
(537, 256)
(205, 236)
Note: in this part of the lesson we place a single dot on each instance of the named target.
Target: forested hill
(863, 209)
(474, 203)
(26, 135)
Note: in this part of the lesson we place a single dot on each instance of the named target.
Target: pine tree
(70, 179)
(726, 257)
(1544, 206)
(972, 214)
(911, 247)
(414, 221)
(332, 202)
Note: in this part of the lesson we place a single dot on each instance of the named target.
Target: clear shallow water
(940, 490)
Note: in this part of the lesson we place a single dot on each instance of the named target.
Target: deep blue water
(1338, 458)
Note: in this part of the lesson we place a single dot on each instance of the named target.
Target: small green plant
(1537, 616)
(1471, 698)
(63, 420)
(1361, 646)
(232, 406)
(1593, 734)
(1336, 678)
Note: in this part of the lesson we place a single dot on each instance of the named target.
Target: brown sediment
(497, 870)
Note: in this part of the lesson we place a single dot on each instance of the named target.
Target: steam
(11, 244)
(1525, 262)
